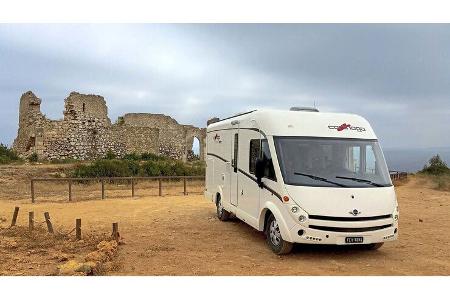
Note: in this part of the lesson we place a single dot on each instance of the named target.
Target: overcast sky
(397, 76)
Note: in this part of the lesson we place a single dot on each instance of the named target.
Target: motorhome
(302, 176)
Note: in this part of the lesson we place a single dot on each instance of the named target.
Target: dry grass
(438, 182)
(24, 252)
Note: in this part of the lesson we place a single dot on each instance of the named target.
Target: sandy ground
(180, 235)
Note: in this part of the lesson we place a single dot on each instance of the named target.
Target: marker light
(285, 198)
(294, 209)
(302, 218)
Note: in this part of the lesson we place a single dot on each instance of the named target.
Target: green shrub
(33, 157)
(110, 155)
(153, 157)
(150, 168)
(63, 161)
(436, 166)
(7, 155)
(171, 168)
(107, 168)
(131, 167)
(132, 156)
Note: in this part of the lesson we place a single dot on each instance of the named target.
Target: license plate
(354, 239)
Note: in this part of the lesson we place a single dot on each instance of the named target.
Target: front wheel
(222, 214)
(274, 238)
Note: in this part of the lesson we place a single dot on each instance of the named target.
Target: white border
(217, 288)
(300, 11)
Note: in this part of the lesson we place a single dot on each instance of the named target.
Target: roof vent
(311, 109)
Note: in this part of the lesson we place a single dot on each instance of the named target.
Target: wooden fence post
(14, 218)
(115, 231)
(31, 220)
(32, 191)
(70, 190)
(184, 186)
(103, 189)
(132, 187)
(160, 186)
(49, 223)
(78, 229)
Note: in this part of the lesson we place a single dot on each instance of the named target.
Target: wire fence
(71, 189)
(63, 189)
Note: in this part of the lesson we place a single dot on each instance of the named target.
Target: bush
(436, 166)
(107, 168)
(131, 167)
(63, 161)
(110, 155)
(33, 157)
(7, 155)
(153, 157)
(150, 169)
(132, 156)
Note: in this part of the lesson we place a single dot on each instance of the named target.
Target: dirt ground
(180, 235)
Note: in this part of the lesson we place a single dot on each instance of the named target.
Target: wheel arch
(271, 208)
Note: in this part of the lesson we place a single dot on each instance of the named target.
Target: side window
(255, 149)
(269, 171)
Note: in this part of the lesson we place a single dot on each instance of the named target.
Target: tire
(274, 239)
(222, 214)
(373, 246)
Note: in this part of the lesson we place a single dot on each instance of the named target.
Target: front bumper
(315, 236)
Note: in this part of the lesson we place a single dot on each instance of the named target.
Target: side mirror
(259, 169)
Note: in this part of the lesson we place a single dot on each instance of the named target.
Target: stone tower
(31, 122)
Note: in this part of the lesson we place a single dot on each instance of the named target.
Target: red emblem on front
(343, 126)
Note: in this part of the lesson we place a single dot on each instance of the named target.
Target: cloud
(395, 75)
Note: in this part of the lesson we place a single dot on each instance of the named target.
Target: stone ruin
(86, 132)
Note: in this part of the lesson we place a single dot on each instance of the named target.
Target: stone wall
(86, 131)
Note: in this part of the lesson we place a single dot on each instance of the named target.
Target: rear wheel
(222, 214)
(274, 238)
(374, 246)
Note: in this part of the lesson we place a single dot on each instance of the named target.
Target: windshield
(331, 162)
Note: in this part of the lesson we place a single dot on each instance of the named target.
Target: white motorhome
(302, 176)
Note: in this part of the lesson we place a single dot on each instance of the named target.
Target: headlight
(294, 209)
(302, 218)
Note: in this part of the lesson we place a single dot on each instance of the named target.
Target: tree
(436, 166)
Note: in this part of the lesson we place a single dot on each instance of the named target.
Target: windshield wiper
(319, 179)
(360, 180)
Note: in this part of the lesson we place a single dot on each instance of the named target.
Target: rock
(10, 244)
(420, 220)
(69, 268)
(88, 268)
(61, 257)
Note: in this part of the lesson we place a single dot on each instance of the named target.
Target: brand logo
(216, 138)
(346, 126)
(354, 212)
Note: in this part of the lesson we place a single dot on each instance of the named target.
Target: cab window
(260, 149)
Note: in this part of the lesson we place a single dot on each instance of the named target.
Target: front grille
(349, 219)
(346, 229)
